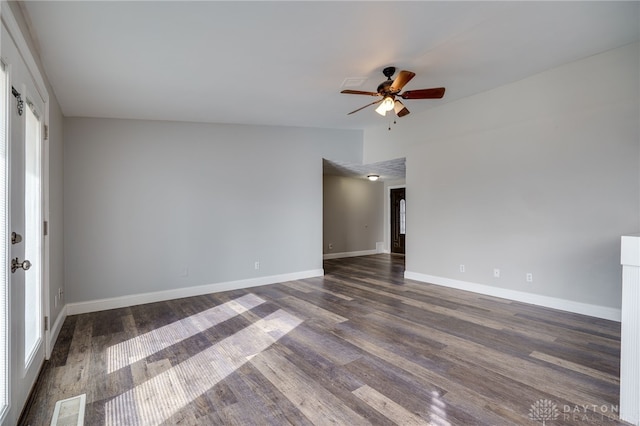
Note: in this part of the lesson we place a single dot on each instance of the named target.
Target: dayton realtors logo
(544, 410)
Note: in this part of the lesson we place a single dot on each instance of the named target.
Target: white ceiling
(284, 63)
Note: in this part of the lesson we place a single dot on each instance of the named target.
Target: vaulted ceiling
(284, 63)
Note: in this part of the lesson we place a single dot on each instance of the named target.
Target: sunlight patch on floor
(157, 399)
(438, 410)
(140, 347)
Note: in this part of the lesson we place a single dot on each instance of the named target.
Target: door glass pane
(4, 231)
(33, 233)
(403, 209)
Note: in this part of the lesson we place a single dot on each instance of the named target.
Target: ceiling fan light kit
(389, 89)
(400, 109)
(386, 105)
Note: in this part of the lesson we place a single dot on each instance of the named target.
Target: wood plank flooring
(360, 345)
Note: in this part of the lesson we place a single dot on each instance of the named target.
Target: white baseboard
(178, 293)
(521, 296)
(349, 254)
(55, 330)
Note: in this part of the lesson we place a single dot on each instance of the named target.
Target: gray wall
(352, 214)
(539, 176)
(147, 201)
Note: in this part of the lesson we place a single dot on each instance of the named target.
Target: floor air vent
(69, 412)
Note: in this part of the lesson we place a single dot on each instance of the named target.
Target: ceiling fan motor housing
(384, 87)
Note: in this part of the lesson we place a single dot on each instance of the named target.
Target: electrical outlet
(496, 273)
(256, 265)
(184, 272)
(461, 268)
(60, 293)
(529, 277)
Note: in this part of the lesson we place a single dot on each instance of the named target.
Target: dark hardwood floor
(361, 345)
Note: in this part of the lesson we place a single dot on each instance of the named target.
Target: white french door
(22, 109)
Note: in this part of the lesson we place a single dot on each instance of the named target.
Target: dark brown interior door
(398, 224)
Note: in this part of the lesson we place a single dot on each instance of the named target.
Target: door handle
(16, 264)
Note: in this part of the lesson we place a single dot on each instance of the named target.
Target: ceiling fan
(389, 89)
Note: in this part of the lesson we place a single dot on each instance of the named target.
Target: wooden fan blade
(368, 105)
(404, 111)
(359, 92)
(435, 93)
(402, 79)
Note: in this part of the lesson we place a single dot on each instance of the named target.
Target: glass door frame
(8, 20)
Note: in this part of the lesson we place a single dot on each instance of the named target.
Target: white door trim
(13, 28)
